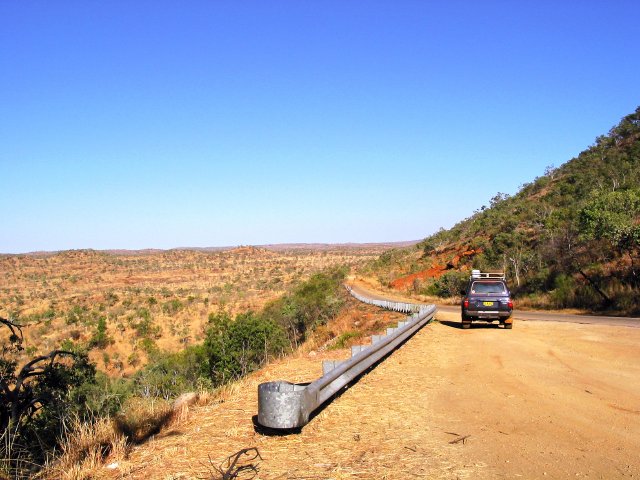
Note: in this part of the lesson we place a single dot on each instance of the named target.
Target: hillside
(570, 238)
(125, 305)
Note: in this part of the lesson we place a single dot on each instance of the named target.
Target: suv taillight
(510, 304)
(466, 303)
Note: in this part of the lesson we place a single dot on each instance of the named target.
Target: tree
(613, 216)
(36, 398)
(550, 171)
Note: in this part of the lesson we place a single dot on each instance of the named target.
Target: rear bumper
(488, 314)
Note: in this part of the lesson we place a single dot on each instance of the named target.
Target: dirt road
(543, 316)
(364, 289)
(544, 400)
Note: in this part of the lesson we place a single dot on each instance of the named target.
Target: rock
(185, 400)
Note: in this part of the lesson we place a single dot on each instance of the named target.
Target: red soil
(436, 271)
(407, 281)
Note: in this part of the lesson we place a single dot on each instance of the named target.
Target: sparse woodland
(124, 307)
(91, 336)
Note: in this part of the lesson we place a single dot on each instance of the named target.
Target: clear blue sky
(162, 124)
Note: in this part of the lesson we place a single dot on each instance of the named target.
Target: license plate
(487, 304)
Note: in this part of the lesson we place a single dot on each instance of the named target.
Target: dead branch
(240, 463)
(16, 336)
(458, 440)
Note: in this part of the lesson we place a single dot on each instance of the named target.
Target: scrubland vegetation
(569, 239)
(155, 326)
(124, 307)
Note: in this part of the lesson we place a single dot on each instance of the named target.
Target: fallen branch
(236, 465)
(458, 440)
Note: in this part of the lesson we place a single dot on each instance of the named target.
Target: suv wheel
(508, 326)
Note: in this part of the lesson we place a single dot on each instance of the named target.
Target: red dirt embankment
(405, 282)
(436, 271)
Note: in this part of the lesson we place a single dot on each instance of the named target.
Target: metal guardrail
(285, 405)
(388, 304)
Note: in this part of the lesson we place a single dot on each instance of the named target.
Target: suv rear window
(488, 287)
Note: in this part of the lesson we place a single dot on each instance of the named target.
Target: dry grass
(143, 418)
(85, 450)
(91, 450)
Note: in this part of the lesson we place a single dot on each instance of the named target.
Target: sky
(163, 124)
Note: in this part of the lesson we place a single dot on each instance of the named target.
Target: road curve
(561, 317)
(541, 316)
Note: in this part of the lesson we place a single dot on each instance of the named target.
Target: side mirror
(463, 292)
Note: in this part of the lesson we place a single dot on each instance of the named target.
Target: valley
(124, 305)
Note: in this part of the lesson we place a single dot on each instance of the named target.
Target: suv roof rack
(493, 275)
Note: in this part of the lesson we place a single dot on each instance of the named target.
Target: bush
(37, 399)
(563, 294)
(169, 375)
(101, 338)
(143, 324)
(312, 304)
(104, 396)
(76, 314)
(344, 340)
(448, 285)
(235, 348)
(172, 307)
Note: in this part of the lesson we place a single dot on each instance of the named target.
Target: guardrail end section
(282, 405)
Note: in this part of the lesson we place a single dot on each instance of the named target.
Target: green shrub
(343, 340)
(37, 399)
(101, 338)
(564, 292)
(235, 348)
(310, 305)
(448, 285)
(170, 374)
(172, 306)
(105, 396)
(143, 324)
(76, 314)
(148, 345)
